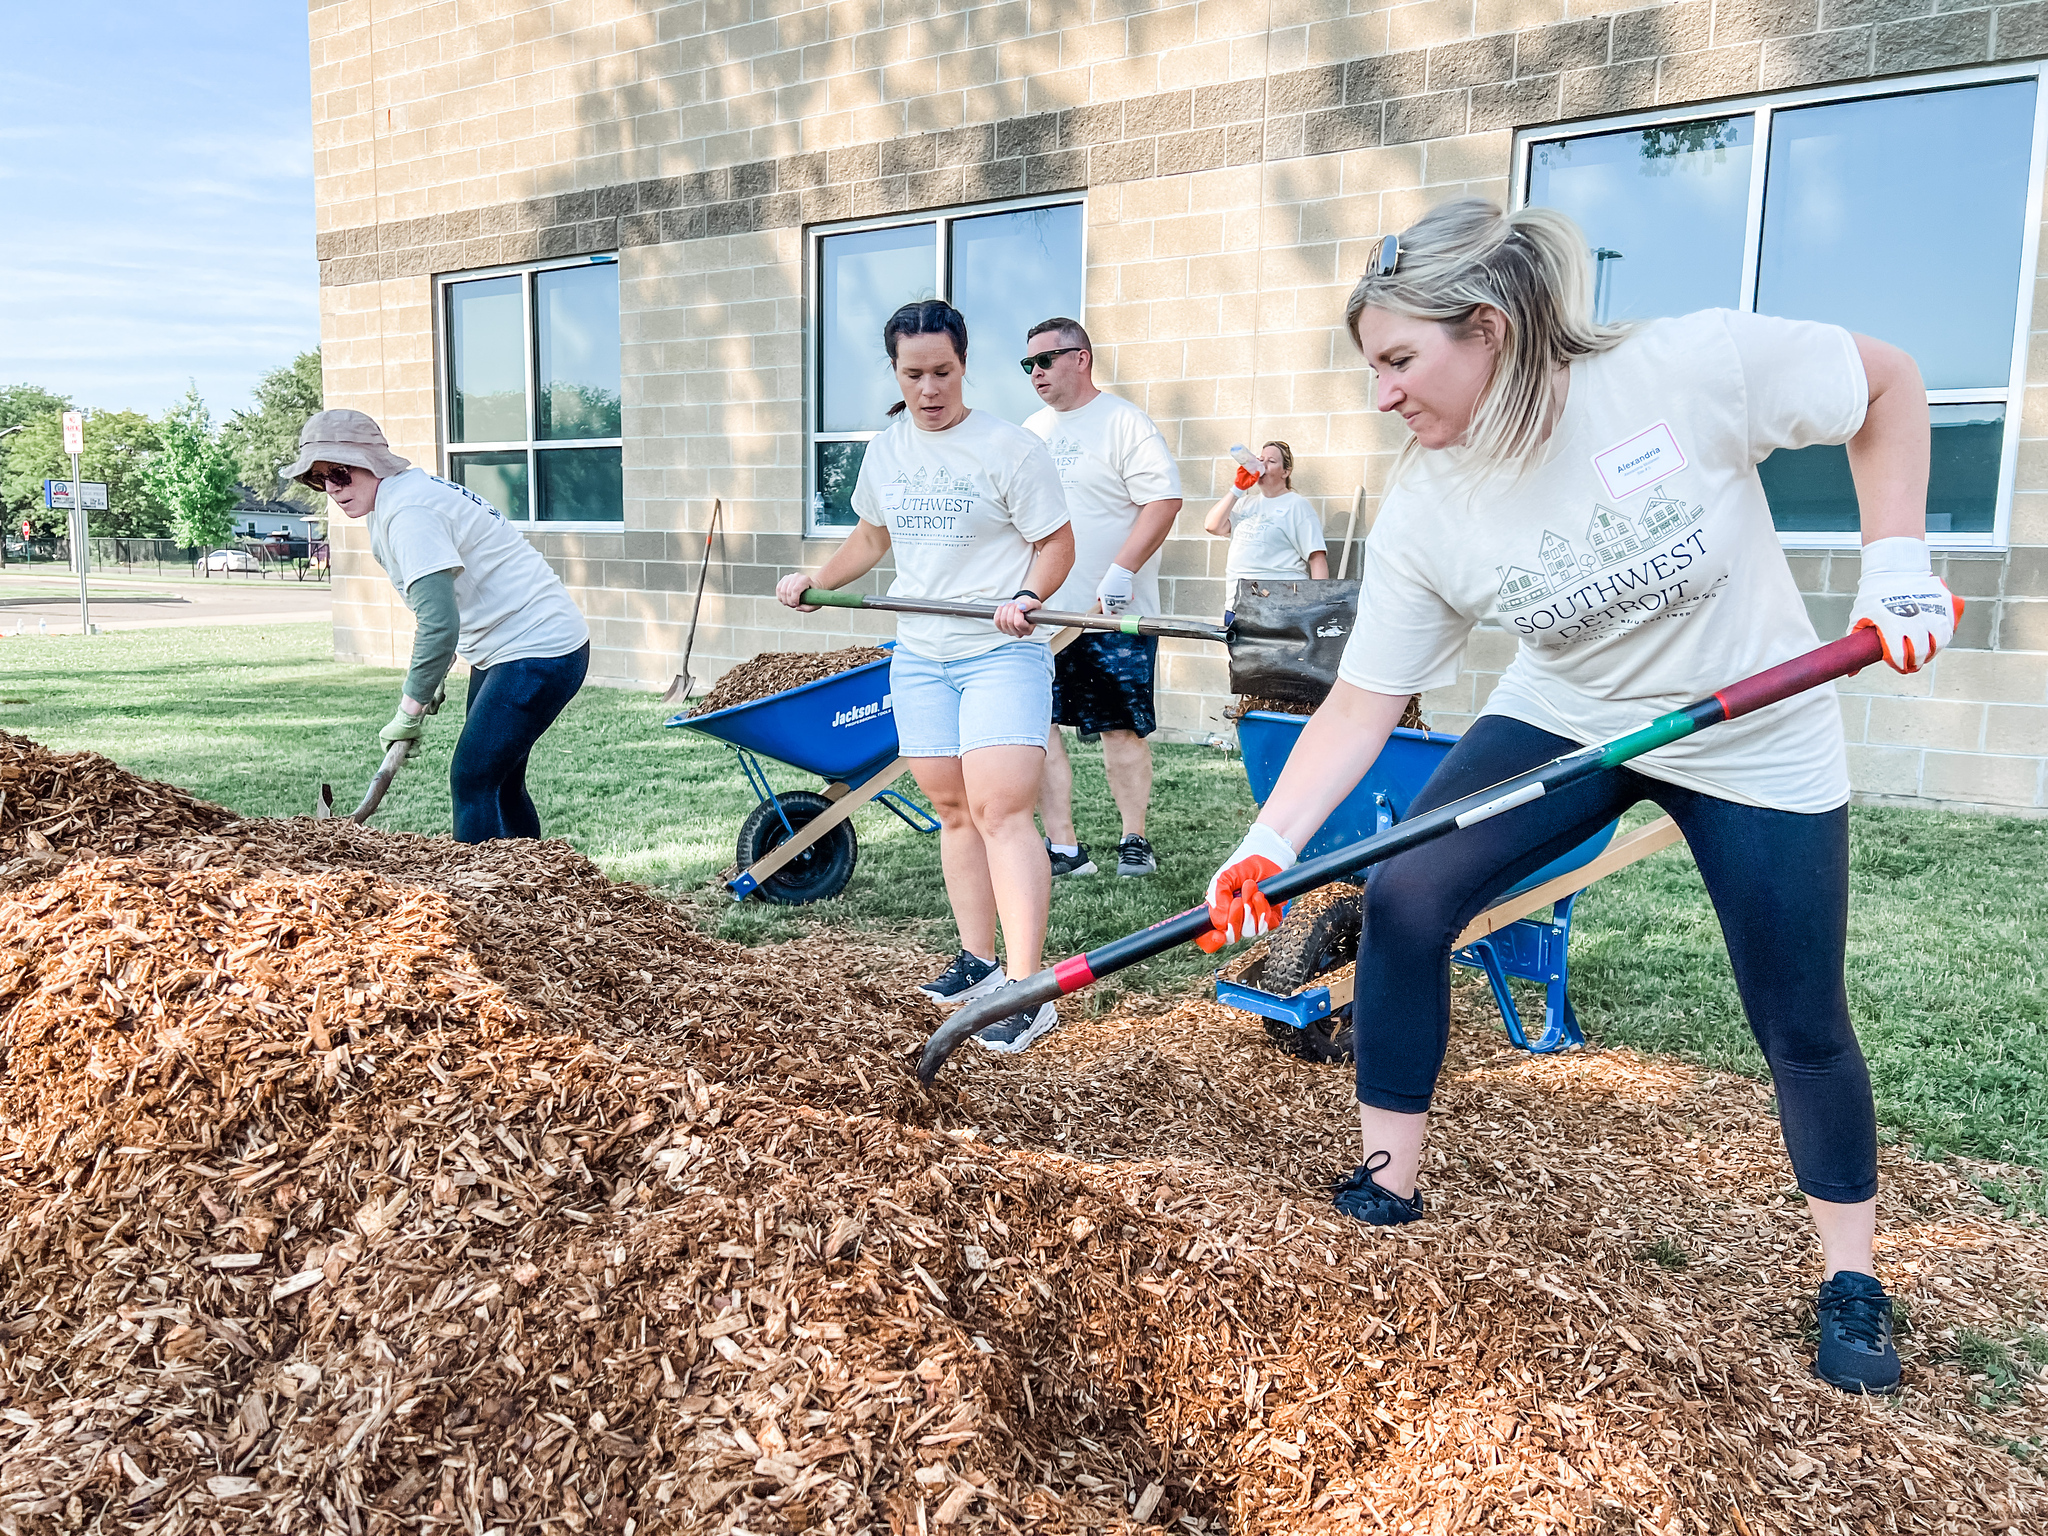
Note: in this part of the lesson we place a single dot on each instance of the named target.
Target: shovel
(1285, 637)
(380, 781)
(1851, 653)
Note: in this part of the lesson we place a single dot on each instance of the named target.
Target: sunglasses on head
(337, 475)
(1386, 256)
(1039, 360)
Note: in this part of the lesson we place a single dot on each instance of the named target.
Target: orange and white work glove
(1900, 597)
(1245, 479)
(1237, 908)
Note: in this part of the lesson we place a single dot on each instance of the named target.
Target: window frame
(1763, 107)
(532, 445)
(942, 285)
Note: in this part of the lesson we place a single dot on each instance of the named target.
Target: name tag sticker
(1639, 462)
(892, 498)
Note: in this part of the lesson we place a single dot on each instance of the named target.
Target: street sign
(74, 432)
(57, 495)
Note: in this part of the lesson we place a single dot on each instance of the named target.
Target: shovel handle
(1116, 624)
(1850, 654)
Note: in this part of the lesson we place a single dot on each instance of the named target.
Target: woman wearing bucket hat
(1593, 489)
(476, 587)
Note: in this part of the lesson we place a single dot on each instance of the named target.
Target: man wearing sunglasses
(476, 587)
(1123, 492)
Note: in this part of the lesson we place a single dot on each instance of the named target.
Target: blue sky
(156, 198)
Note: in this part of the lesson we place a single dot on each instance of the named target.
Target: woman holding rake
(1593, 489)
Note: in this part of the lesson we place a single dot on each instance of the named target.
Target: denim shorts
(1001, 698)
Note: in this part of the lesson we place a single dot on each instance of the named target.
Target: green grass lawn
(1948, 923)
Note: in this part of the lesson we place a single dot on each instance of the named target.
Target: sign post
(74, 444)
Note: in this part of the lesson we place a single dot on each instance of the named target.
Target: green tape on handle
(1130, 625)
(819, 597)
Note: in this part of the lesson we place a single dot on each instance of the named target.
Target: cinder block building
(609, 260)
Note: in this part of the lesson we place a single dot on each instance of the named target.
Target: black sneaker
(1076, 863)
(1134, 856)
(1361, 1197)
(1856, 1351)
(1020, 1031)
(968, 977)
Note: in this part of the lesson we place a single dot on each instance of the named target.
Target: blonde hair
(1533, 266)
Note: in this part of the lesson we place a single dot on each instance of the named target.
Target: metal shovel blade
(1287, 637)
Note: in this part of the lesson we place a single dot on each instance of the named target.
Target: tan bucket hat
(344, 437)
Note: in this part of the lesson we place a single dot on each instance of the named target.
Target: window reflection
(486, 361)
(1010, 271)
(1665, 210)
(866, 277)
(1810, 490)
(500, 478)
(580, 485)
(576, 325)
(1901, 217)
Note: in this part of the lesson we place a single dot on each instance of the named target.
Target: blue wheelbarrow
(798, 846)
(1507, 941)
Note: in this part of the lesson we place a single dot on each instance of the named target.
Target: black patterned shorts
(1104, 683)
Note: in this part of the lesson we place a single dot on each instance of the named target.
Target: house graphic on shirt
(1519, 588)
(1559, 562)
(1664, 514)
(1066, 453)
(1611, 534)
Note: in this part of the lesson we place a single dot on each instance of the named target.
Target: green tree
(193, 473)
(118, 446)
(21, 404)
(266, 439)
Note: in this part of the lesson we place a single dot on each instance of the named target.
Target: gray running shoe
(1134, 856)
(967, 978)
(1077, 863)
(1020, 1031)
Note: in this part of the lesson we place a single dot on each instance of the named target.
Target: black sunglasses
(1386, 255)
(319, 479)
(1040, 360)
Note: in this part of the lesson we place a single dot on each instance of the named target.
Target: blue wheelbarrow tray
(840, 728)
(1528, 948)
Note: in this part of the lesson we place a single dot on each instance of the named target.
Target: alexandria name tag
(1639, 462)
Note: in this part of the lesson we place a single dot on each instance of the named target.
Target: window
(1903, 215)
(1005, 270)
(531, 393)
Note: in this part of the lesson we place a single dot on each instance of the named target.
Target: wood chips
(54, 803)
(1411, 717)
(775, 671)
(356, 1182)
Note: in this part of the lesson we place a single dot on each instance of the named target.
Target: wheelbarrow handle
(1114, 623)
(1851, 653)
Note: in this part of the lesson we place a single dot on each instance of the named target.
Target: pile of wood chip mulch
(368, 1183)
(777, 671)
(53, 804)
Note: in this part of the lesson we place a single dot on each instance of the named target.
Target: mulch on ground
(54, 803)
(355, 1181)
(776, 671)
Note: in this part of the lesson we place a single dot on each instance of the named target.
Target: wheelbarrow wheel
(820, 872)
(1308, 943)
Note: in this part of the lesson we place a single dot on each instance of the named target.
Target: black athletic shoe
(967, 978)
(1076, 863)
(1363, 1198)
(1134, 856)
(1856, 1351)
(1019, 1031)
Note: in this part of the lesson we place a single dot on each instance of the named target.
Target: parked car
(225, 560)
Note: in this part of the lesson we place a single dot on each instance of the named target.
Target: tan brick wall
(1234, 175)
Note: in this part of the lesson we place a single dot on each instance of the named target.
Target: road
(35, 597)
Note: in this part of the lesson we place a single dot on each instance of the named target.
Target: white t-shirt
(1637, 565)
(963, 508)
(1271, 537)
(1112, 461)
(513, 607)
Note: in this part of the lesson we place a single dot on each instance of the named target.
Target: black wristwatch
(1024, 592)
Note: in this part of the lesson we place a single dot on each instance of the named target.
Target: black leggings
(1780, 885)
(510, 705)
